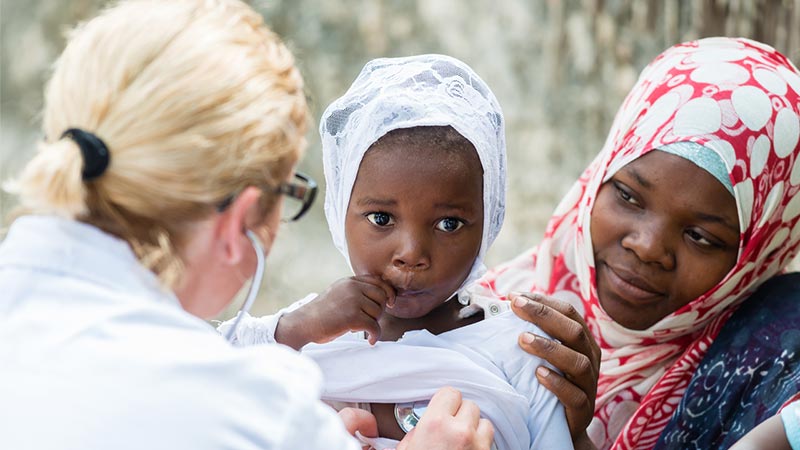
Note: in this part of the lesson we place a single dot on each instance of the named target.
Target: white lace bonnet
(414, 91)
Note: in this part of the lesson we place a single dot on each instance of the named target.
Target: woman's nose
(650, 243)
(412, 252)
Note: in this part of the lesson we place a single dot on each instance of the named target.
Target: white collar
(77, 249)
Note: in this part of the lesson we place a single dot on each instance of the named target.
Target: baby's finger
(388, 291)
(371, 327)
(373, 293)
(359, 420)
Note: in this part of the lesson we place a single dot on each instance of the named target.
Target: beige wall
(559, 68)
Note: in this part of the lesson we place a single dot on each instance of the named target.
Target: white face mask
(252, 293)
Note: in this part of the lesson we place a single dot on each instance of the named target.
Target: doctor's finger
(469, 413)
(446, 401)
(484, 434)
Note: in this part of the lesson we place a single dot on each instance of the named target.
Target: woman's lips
(631, 287)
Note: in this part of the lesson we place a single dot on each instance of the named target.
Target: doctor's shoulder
(242, 397)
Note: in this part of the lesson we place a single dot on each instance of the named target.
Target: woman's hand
(349, 304)
(577, 356)
(450, 423)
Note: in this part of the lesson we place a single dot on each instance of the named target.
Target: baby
(415, 167)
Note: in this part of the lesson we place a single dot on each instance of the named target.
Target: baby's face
(415, 219)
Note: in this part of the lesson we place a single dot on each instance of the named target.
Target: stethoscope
(254, 285)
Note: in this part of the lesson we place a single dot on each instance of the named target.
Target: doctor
(172, 131)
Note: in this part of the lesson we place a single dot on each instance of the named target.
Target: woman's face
(664, 232)
(219, 258)
(415, 219)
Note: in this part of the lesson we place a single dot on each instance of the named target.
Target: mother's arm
(577, 355)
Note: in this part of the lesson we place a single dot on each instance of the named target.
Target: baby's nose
(412, 255)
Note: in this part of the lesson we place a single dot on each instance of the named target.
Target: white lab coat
(95, 355)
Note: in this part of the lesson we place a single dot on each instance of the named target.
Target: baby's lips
(399, 280)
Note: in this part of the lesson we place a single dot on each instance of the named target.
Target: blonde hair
(195, 100)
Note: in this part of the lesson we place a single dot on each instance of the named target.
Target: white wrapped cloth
(481, 360)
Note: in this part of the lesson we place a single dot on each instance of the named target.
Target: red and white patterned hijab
(739, 98)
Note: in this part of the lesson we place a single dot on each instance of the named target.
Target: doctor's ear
(243, 213)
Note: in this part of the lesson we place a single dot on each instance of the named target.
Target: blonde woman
(172, 131)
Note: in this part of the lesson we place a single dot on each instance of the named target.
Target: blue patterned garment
(750, 370)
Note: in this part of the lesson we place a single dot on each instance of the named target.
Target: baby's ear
(232, 226)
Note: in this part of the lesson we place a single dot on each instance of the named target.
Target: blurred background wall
(559, 68)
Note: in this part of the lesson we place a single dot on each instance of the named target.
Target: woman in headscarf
(689, 208)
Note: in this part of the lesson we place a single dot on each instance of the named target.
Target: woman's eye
(449, 224)
(699, 239)
(625, 195)
(380, 219)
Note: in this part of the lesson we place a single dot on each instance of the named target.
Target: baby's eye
(380, 219)
(449, 224)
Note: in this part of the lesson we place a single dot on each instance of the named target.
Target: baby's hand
(349, 304)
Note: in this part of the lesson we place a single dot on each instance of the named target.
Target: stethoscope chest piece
(408, 414)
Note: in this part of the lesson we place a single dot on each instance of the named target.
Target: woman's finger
(573, 397)
(559, 320)
(578, 367)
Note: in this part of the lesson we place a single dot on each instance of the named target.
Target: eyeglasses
(300, 194)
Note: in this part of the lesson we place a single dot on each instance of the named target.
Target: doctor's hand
(349, 304)
(577, 355)
(450, 423)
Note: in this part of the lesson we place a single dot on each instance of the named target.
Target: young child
(415, 168)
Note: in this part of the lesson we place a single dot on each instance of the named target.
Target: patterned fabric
(750, 370)
(415, 91)
(740, 99)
